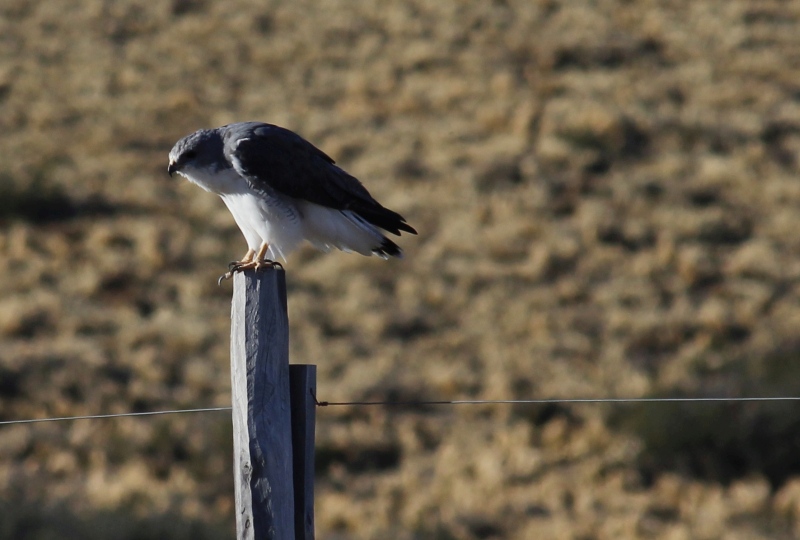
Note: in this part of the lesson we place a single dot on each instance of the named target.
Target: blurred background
(607, 198)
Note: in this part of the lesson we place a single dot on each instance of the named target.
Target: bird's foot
(241, 266)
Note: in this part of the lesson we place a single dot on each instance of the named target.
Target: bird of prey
(281, 189)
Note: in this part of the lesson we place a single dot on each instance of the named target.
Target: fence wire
(424, 403)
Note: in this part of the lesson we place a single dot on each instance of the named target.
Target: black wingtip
(403, 226)
(384, 218)
(388, 249)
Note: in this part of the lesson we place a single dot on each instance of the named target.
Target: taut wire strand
(557, 400)
(432, 402)
(116, 415)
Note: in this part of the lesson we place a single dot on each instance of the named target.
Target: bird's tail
(346, 230)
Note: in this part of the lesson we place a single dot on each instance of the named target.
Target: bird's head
(200, 150)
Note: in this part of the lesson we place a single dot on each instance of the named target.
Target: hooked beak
(173, 167)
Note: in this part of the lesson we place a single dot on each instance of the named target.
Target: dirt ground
(607, 198)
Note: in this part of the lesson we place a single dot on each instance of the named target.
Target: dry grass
(607, 198)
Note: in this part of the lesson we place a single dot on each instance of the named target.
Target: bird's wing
(273, 158)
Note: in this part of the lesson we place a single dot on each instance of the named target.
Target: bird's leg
(261, 260)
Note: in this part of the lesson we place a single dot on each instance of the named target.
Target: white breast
(261, 218)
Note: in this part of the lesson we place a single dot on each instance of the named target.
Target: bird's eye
(191, 154)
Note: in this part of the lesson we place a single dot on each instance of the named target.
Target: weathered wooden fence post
(303, 390)
(262, 447)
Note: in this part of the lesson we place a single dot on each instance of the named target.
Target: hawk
(281, 189)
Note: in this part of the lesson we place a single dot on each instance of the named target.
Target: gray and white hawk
(281, 189)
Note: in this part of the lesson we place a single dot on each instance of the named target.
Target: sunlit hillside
(608, 203)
